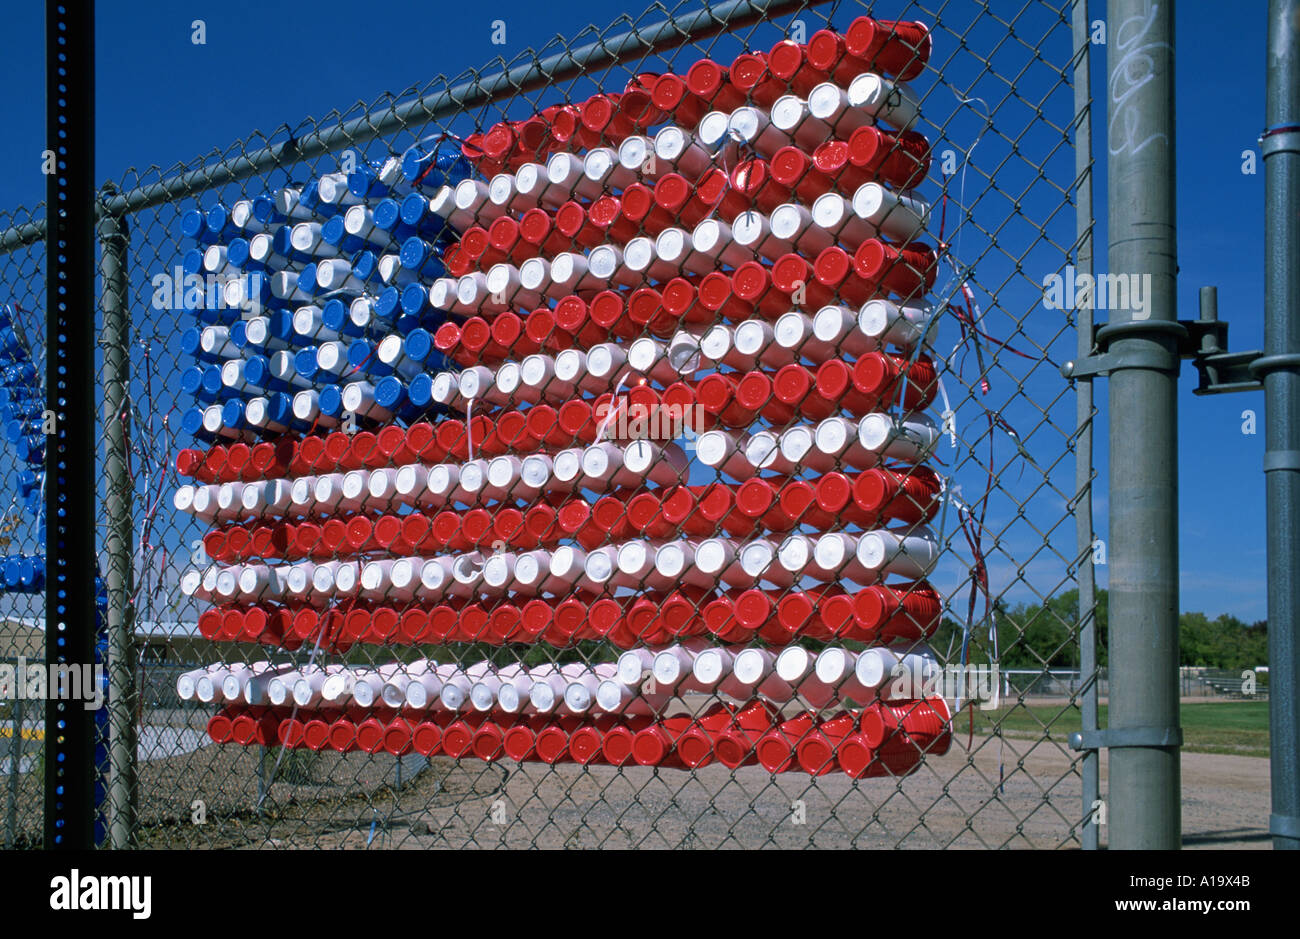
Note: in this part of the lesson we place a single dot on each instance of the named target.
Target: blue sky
(162, 99)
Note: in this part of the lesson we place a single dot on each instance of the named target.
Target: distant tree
(1046, 635)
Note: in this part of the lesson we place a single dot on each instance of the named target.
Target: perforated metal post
(69, 393)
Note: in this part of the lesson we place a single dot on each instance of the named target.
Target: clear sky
(163, 99)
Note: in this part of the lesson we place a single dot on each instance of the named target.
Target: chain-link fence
(22, 636)
(685, 492)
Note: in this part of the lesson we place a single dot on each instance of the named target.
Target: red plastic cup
(797, 613)
(356, 624)
(756, 397)
(271, 459)
(708, 81)
(607, 215)
(586, 742)
(567, 130)
(572, 221)
(654, 744)
(902, 160)
(189, 462)
(601, 116)
(908, 497)
(900, 611)
(771, 292)
(289, 733)
(828, 52)
(336, 454)
(736, 745)
(776, 748)
(504, 624)
(798, 502)
(750, 75)
(788, 62)
(426, 738)
(488, 742)
(671, 96)
(221, 727)
(905, 271)
(900, 48)
(444, 621)
(316, 734)
(422, 441)
(695, 745)
(520, 740)
(679, 613)
(832, 163)
(413, 628)
(877, 374)
(756, 499)
(616, 747)
(799, 172)
(815, 753)
(343, 735)
(720, 620)
(537, 228)
(232, 625)
(676, 195)
(458, 737)
(608, 311)
(237, 459)
(834, 493)
(795, 385)
(552, 745)
(365, 450)
(834, 385)
(541, 329)
(835, 272)
(721, 195)
(384, 623)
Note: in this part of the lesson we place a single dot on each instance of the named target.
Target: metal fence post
(70, 612)
(1281, 372)
(1142, 732)
(114, 238)
(1086, 577)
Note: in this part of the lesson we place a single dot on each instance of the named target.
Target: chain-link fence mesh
(798, 428)
(22, 637)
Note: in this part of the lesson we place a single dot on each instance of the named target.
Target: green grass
(1234, 727)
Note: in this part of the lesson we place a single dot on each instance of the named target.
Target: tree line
(1046, 636)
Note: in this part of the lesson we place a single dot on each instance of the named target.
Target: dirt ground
(1014, 793)
(953, 801)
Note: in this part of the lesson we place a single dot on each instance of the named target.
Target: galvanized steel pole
(1280, 369)
(1142, 335)
(118, 539)
(1083, 470)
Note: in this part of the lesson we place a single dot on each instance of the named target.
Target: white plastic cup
(681, 150)
(892, 102)
(898, 216)
(724, 451)
(909, 438)
(901, 324)
(792, 116)
(911, 553)
(829, 103)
